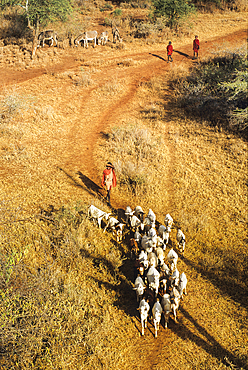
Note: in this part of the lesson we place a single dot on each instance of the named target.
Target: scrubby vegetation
(215, 90)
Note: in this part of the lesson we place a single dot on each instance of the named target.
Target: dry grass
(66, 297)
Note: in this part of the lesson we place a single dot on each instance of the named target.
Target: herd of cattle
(158, 284)
(83, 38)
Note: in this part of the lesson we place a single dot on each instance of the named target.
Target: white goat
(97, 214)
(144, 311)
(182, 285)
(135, 223)
(175, 301)
(175, 278)
(168, 220)
(139, 286)
(152, 217)
(164, 233)
(152, 259)
(138, 212)
(156, 314)
(153, 278)
(128, 214)
(180, 240)
(172, 258)
(166, 305)
(116, 226)
(160, 255)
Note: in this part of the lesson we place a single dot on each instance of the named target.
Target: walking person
(109, 179)
(196, 47)
(169, 52)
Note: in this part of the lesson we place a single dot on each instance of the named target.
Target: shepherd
(196, 47)
(169, 52)
(109, 179)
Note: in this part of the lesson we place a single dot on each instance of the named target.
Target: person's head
(169, 42)
(196, 37)
(109, 165)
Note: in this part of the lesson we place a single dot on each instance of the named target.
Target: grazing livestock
(139, 286)
(134, 248)
(153, 279)
(116, 35)
(152, 259)
(137, 236)
(182, 285)
(85, 37)
(143, 259)
(168, 220)
(175, 278)
(156, 314)
(152, 217)
(180, 240)
(97, 214)
(164, 233)
(103, 38)
(144, 311)
(160, 255)
(47, 35)
(172, 258)
(128, 214)
(138, 212)
(166, 306)
(116, 226)
(146, 244)
(147, 224)
(175, 301)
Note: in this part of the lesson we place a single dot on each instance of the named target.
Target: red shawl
(107, 172)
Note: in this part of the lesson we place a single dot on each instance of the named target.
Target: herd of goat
(158, 284)
(83, 38)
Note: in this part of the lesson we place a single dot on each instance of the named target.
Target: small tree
(173, 10)
(40, 12)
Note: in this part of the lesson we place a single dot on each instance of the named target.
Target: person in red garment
(169, 52)
(196, 47)
(109, 179)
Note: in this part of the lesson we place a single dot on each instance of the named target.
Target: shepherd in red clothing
(169, 52)
(196, 47)
(109, 179)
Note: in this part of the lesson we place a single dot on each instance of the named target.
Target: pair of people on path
(196, 47)
(109, 180)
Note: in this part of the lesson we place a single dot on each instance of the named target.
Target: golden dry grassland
(67, 299)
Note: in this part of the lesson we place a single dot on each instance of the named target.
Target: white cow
(139, 286)
(180, 240)
(103, 38)
(166, 306)
(144, 311)
(85, 37)
(47, 35)
(97, 214)
(168, 220)
(182, 285)
(156, 314)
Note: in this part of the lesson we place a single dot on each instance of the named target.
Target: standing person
(109, 179)
(196, 47)
(169, 52)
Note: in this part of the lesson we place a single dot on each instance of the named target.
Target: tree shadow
(158, 56)
(183, 54)
(208, 343)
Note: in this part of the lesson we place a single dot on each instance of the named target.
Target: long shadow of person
(158, 56)
(183, 54)
(90, 185)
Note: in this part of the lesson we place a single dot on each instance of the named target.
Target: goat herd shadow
(127, 296)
